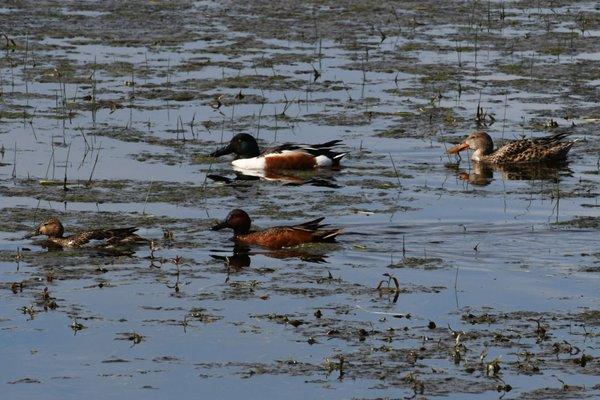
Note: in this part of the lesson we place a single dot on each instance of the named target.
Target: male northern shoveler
(278, 236)
(550, 149)
(54, 230)
(286, 156)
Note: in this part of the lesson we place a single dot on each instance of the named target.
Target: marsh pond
(435, 276)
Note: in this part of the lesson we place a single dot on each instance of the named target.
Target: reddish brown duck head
(238, 220)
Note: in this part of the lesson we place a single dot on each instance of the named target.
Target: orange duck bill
(457, 148)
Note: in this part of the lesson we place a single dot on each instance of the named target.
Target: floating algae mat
(450, 279)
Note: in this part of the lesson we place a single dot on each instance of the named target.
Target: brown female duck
(549, 150)
(54, 230)
(279, 236)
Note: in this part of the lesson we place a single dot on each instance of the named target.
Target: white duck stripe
(250, 163)
(324, 161)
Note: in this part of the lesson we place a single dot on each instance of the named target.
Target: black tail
(326, 144)
(337, 158)
(311, 225)
(119, 232)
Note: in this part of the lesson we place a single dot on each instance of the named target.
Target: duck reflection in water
(241, 256)
(482, 174)
(317, 178)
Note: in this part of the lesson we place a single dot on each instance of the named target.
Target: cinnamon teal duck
(279, 236)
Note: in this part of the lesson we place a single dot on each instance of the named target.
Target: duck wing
(312, 225)
(113, 235)
(545, 149)
(554, 139)
(322, 152)
(314, 149)
(512, 151)
(318, 234)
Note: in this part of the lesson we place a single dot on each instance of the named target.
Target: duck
(276, 237)
(551, 149)
(287, 156)
(54, 230)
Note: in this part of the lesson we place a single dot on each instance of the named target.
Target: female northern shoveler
(54, 230)
(278, 236)
(539, 150)
(286, 156)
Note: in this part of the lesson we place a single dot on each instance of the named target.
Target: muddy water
(497, 270)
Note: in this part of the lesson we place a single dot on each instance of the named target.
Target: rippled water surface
(496, 270)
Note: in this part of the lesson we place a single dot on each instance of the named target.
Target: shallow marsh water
(497, 270)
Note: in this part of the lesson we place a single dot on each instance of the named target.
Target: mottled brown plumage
(54, 230)
(539, 150)
(279, 236)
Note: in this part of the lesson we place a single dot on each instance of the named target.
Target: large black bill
(222, 151)
(220, 226)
